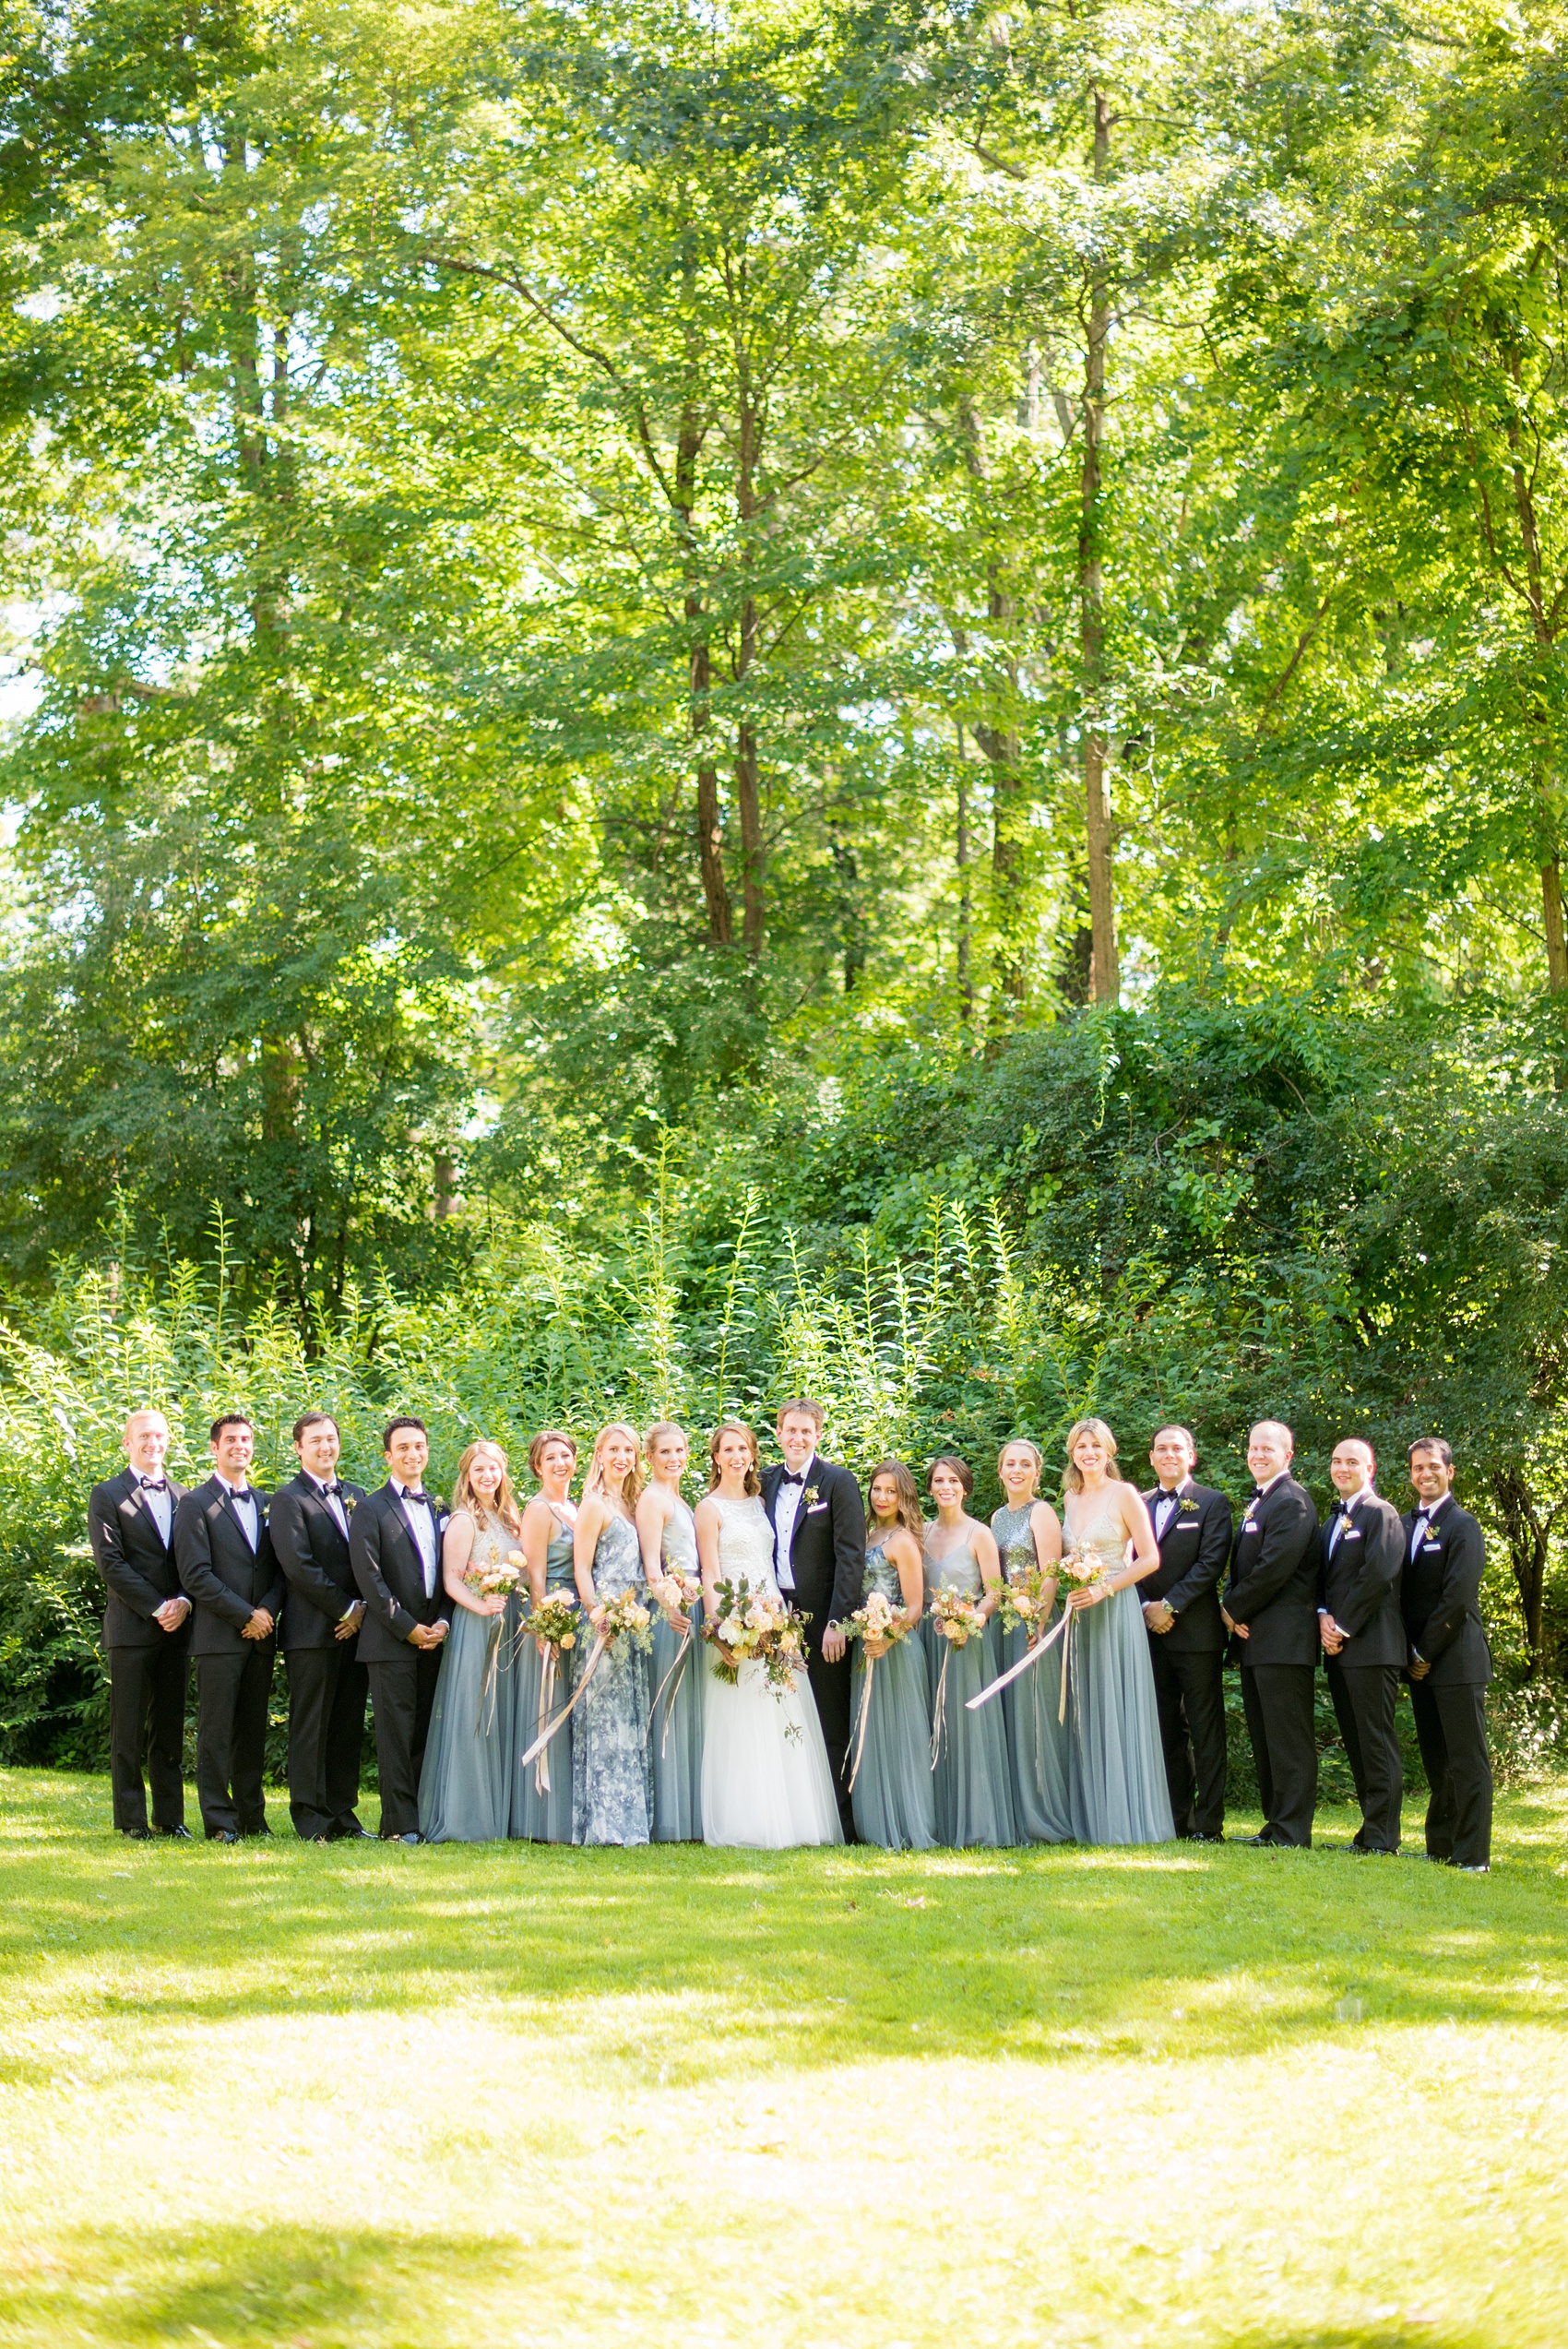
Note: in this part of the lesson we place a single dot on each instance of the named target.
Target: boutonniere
(808, 1498)
(1186, 1509)
(349, 1504)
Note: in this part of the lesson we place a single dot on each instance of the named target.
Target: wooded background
(870, 695)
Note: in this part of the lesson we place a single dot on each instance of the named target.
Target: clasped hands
(1331, 1635)
(1158, 1616)
(172, 1614)
(427, 1635)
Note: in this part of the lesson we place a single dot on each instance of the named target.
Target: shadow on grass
(289, 2283)
(680, 1960)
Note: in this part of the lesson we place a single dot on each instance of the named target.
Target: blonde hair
(656, 1434)
(550, 1435)
(1072, 1475)
(478, 1508)
(907, 1511)
(715, 1474)
(594, 1480)
(1023, 1444)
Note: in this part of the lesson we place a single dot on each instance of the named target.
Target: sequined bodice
(1015, 1538)
(882, 1574)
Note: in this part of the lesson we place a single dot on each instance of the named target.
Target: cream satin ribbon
(676, 1673)
(539, 1742)
(1031, 1656)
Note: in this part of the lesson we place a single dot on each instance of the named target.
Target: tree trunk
(1527, 1534)
(1551, 906)
(710, 822)
(966, 908)
(997, 734)
(748, 796)
(1097, 818)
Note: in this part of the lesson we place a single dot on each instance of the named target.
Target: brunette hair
(1072, 1475)
(405, 1420)
(1022, 1444)
(1437, 1445)
(594, 1480)
(230, 1419)
(550, 1435)
(907, 1513)
(961, 1468)
(465, 1497)
(715, 1474)
(806, 1406)
(313, 1419)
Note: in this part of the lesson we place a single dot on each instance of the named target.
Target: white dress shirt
(786, 1508)
(244, 1508)
(1344, 1517)
(419, 1519)
(160, 1506)
(1425, 1521)
(1165, 1506)
(335, 1503)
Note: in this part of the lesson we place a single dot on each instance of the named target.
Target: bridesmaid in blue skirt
(971, 1780)
(466, 1785)
(1117, 1785)
(542, 1813)
(667, 1532)
(890, 1726)
(1029, 1535)
(611, 1772)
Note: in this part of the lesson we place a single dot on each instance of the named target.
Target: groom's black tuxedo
(1273, 1590)
(1189, 1659)
(327, 1684)
(389, 1574)
(827, 1563)
(149, 1667)
(1440, 1600)
(1359, 1591)
(226, 1580)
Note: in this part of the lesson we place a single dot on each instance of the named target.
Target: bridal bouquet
(877, 1619)
(1027, 1596)
(494, 1581)
(956, 1617)
(556, 1621)
(623, 1617)
(755, 1627)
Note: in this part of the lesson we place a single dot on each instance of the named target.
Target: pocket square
(815, 1508)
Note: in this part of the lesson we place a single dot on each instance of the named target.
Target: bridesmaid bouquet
(878, 1619)
(687, 1589)
(1027, 1596)
(622, 1617)
(1083, 1567)
(494, 1581)
(956, 1617)
(755, 1627)
(556, 1621)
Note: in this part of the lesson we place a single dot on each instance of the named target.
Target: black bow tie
(155, 1483)
(409, 1496)
(330, 1492)
(790, 1477)
(1257, 1492)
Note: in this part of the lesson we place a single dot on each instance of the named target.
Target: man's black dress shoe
(177, 1834)
(1260, 1843)
(262, 1830)
(137, 1835)
(358, 1834)
(1205, 1839)
(224, 1835)
(402, 1839)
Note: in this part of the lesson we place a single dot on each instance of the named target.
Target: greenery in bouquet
(750, 1626)
(495, 1579)
(878, 1618)
(1028, 1595)
(956, 1617)
(622, 1617)
(557, 1620)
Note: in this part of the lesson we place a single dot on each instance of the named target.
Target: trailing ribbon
(939, 1704)
(1030, 1656)
(676, 1673)
(865, 1715)
(546, 1698)
(487, 1687)
(539, 1742)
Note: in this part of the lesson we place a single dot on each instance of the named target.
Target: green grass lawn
(393, 2098)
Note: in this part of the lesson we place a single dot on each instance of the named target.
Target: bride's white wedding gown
(765, 1780)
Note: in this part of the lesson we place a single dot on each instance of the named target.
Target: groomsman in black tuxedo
(322, 1614)
(395, 1544)
(1271, 1606)
(225, 1552)
(147, 1630)
(819, 1538)
(1186, 1635)
(1363, 1638)
(1448, 1660)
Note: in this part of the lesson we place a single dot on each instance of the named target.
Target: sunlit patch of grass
(406, 2099)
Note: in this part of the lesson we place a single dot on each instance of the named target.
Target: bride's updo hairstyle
(961, 1468)
(1072, 1475)
(594, 1480)
(550, 1435)
(715, 1474)
(907, 1513)
(505, 1505)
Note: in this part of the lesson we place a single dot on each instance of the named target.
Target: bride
(765, 1780)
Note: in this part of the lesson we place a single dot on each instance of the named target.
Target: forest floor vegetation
(407, 2098)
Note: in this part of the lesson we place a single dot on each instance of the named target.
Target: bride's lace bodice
(745, 1544)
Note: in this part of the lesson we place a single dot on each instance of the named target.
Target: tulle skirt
(465, 1784)
(675, 1738)
(765, 1780)
(1037, 1743)
(1117, 1788)
(972, 1779)
(543, 1816)
(892, 1797)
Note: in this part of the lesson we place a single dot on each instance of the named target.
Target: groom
(819, 1548)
